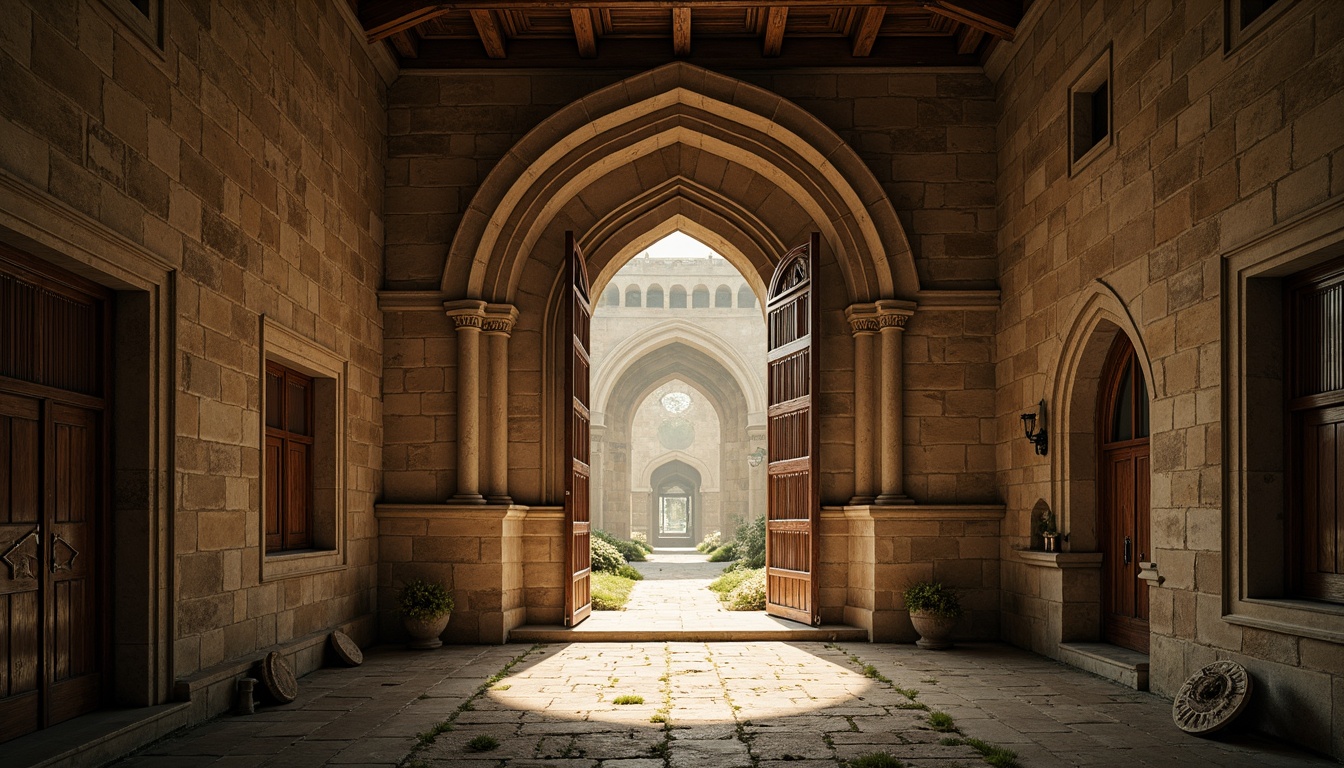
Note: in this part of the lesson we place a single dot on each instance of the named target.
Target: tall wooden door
(577, 314)
(1124, 497)
(53, 499)
(793, 475)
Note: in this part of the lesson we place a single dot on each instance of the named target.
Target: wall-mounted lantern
(1035, 436)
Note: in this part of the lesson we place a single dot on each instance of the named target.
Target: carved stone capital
(499, 318)
(862, 318)
(465, 313)
(892, 313)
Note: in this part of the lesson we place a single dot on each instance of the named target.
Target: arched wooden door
(793, 376)
(577, 314)
(1122, 433)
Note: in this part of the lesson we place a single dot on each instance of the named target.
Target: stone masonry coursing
(1211, 149)
(247, 154)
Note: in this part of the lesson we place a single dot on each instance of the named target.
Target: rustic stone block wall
(1211, 149)
(247, 154)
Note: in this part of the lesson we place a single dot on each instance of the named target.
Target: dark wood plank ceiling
(497, 34)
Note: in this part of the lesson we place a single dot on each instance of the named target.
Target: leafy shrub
(728, 582)
(750, 540)
(605, 557)
(610, 592)
(629, 549)
(710, 542)
(749, 595)
(640, 538)
(933, 598)
(724, 553)
(627, 571)
(420, 599)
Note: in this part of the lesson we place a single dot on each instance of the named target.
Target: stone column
(891, 319)
(498, 324)
(468, 318)
(863, 324)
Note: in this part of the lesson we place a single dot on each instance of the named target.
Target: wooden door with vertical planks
(793, 375)
(576, 315)
(53, 495)
(1124, 497)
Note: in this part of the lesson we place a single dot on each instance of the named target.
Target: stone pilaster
(891, 319)
(468, 318)
(497, 325)
(863, 323)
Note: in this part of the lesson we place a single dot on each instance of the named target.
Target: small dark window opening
(1091, 119)
(723, 297)
(1252, 9)
(632, 297)
(655, 297)
(700, 298)
(289, 459)
(677, 298)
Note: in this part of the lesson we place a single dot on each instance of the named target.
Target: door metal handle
(1129, 547)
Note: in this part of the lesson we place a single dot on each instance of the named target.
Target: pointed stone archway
(750, 173)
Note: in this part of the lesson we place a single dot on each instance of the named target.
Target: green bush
(605, 557)
(629, 549)
(724, 553)
(750, 541)
(642, 541)
(710, 543)
(627, 571)
(421, 599)
(749, 595)
(728, 582)
(610, 592)
(933, 598)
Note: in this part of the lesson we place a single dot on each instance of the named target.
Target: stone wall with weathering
(1211, 149)
(249, 155)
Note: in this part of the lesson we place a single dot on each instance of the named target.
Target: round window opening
(676, 434)
(676, 402)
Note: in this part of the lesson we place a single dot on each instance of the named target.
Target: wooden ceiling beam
(584, 32)
(384, 18)
(866, 35)
(406, 42)
(681, 31)
(968, 39)
(492, 37)
(994, 17)
(775, 21)
(713, 53)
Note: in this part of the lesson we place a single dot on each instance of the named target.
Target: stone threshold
(1126, 667)
(96, 738)
(830, 633)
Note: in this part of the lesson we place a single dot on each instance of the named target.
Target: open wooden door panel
(793, 375)
(577, 314)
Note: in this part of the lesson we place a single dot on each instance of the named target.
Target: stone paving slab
(753, 705)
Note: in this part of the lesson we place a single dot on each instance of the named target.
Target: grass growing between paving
(611, 592)
(939, 721)
(429, 737)
(875, 760)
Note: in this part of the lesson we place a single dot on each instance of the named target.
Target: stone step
(557, 634)
(1129, 668)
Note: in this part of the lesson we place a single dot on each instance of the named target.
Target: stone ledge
(96, 738)
(926, 512)
(1129, 668)
(1058, 559)
(460, 511)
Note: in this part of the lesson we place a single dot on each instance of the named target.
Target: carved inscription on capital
(892, 320)
(467, 321)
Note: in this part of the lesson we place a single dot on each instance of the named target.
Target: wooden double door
(793, 372)
(53, 499)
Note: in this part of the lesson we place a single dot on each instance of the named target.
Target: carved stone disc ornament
(279, 678)
(347, 650)
(1212, 698)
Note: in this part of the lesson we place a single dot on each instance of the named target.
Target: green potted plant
(425, 609)
(1049, 532)
(934, 610)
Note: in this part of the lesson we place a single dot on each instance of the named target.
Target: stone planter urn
(934, 631)
(425, 632)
